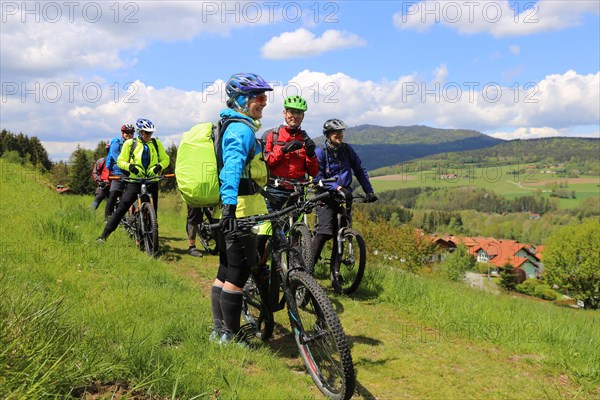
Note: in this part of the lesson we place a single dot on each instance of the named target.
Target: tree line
(21, 149)
(76, 173)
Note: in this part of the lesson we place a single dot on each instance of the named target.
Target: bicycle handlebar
(141, 179)
(249, 222)
(297, 183)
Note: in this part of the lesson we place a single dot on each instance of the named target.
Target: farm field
(500, 179)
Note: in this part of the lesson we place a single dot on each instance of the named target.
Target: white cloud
(499, 18)
(559, 104)
(514, 49)
(49, 39)
(535, 133)
(304, 43)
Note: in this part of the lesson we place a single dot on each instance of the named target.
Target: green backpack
(199, 161)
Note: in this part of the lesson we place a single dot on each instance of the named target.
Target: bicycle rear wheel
(349, 265)
(208, 237)
(255, 310)
(301, 240)
(320, 338)
(148, 229)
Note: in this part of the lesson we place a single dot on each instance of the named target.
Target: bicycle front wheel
(349, 265)
(320, 338)
(301, 240)
(148, 229)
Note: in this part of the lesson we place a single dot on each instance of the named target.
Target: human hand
(309, 146)
(133, 169)
(371, 197)
(157, 168)
(228, 222)
(292, 146)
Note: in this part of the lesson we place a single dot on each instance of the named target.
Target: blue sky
(509, 69)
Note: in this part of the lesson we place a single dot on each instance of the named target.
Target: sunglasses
(260, 97)
(292, 111)
(127, 133)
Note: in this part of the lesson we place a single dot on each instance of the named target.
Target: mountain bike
(347, 267)
(140, 221)
(296, 227)
(207, 236)
(316, 327)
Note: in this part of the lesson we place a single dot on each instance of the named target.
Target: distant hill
(380, 146)
(582, 154)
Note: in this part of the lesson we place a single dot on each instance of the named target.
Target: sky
(73, 72)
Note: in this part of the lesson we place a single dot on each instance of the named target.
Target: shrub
(528, 286)
(508, 278)
(545, 292)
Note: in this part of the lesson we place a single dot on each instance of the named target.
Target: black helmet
(333, 125)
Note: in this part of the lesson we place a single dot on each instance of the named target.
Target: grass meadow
(498, 178)
(74, 313)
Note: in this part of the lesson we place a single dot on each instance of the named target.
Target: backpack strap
(135, 143)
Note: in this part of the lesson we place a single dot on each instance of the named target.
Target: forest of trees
(76, 174)
(21, 149)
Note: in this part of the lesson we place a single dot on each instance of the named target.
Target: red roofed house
(498, 252)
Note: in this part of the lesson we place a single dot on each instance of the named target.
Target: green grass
(73, 312)
(491, 178)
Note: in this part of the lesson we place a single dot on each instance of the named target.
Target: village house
(496, 252)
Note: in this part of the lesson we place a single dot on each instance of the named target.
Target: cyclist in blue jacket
(243, 173)
(337, 159)
(116, 186)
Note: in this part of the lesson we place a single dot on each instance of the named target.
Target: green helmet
(295, 102)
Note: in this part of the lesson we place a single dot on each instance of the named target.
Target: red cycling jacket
(293, 165)
(100, 172)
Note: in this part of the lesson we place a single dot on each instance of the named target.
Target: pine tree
(80, 177)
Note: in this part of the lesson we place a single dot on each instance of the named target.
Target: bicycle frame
(138, 223)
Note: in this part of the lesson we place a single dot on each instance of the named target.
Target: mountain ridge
(380, 146)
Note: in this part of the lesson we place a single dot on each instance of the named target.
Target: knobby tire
(148, 229)
(350, 265)
(255, 309)
(320, 339)
(301, 240)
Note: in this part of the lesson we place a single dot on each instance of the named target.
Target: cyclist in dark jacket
(337, 159)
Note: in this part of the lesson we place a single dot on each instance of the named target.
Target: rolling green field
(499, 179)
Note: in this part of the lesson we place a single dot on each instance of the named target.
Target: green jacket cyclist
(147, 160)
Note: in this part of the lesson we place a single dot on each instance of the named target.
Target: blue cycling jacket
(340, 163)
(113, 154)
(237, 145)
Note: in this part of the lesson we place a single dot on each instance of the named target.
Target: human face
(126, 135)
(146, 136)
(256, 105)
(293, 117)
(336, 138)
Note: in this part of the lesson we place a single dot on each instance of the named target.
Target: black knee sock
(231, 307)
(215, 301)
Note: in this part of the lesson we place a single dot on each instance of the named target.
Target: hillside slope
(123, 317)
(380, 146)
(581, 153)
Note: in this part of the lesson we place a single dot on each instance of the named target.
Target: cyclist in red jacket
(289, 152)
(100, 174)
